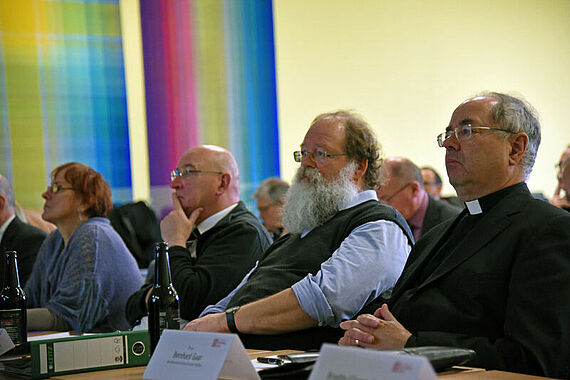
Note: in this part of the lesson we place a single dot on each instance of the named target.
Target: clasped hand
(379, 331)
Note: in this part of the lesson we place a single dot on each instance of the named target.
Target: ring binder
(60, 356)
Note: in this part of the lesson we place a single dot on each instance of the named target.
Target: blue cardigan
(88, 282)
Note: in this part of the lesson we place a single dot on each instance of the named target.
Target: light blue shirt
(367, 263)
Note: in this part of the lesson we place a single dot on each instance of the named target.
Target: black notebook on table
(299, 366)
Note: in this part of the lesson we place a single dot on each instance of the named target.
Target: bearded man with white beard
(343, 251)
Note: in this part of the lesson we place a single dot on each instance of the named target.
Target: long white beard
(311, 201)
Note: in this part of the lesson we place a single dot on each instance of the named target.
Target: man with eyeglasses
(561, 196)
(344, 248)
(15, 235)
(496, 278)
(405, 192)
(213, 239)
(270, 197)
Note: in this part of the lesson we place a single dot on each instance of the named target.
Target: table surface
(136, 373)
(455, 373)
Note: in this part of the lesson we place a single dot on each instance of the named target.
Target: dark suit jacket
(504, 291)
(26, 241)
(437, 212)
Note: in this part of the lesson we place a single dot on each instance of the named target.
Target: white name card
(183, 354)
(6, 343)
(353, 363)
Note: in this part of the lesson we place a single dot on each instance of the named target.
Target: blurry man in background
(432, 182)
(405, 192)
(16, 235)
(270, 197)
(561, 197)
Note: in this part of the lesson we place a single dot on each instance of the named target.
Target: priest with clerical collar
(495, 279)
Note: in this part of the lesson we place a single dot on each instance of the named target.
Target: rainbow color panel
(62, 93)
(210, 79)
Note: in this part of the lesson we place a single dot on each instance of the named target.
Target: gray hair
(7, 191)
(517, 115)
(273, 189)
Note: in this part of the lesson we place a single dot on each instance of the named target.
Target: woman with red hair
(84, 273)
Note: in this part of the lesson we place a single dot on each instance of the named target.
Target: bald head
(404, 189)
(403, 170)
(210, 180)
(221, 160)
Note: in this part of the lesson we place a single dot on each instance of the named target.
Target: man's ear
(360, 170)
(519, 143)
(2, 202)
(224, 185)
(415, 186)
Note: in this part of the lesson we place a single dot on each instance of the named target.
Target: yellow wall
(136, 105)
(405, 65)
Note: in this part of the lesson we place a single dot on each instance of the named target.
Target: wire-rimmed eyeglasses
(55, 188)
(318, 155)
(464, 132)
(189, 172)
(387, 200)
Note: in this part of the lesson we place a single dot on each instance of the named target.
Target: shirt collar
(484, 204)
(359, 198)
(214, 219)
(4, 227)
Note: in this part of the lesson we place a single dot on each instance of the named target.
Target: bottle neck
(162, 266)
(12, 279)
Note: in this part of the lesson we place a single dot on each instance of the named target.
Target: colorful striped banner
(210, 79)
(62, 90)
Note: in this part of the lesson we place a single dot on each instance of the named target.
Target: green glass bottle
(163, 303)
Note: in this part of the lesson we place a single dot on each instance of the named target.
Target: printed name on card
(344, 363)
(199, 355)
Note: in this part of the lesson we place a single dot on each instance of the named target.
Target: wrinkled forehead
(475, 111)
(328, 134)
(188, 161)
(195, 158)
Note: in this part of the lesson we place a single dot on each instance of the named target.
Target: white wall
(405, 65)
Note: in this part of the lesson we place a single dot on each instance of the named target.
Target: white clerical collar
(474, 207)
